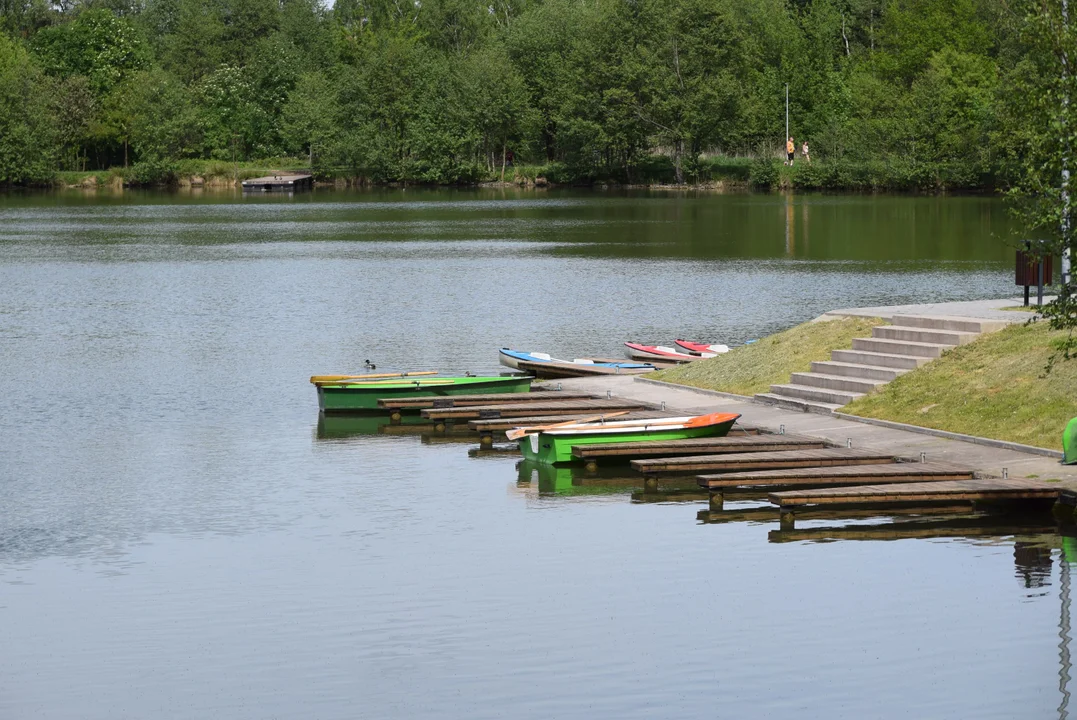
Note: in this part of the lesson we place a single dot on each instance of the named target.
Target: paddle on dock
(517, 433)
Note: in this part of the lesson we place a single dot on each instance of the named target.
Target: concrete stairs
(892, 350)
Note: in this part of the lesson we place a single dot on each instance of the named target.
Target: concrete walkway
(988, 461)
(979, 309)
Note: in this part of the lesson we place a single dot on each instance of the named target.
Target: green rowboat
(553, 444)
(363, 396)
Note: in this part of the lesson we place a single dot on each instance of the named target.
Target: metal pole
(1066, 241)
(786, 138)
(1039, 280)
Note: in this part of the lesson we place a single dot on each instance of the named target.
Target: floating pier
(290, 182)
(524, 409)
(769, 513)
(990, 490)
(800, 475)
(840, 475)
(967, 490)
(748, 440)
(762, 460)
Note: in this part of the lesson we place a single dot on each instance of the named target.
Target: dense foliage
(898, 93)
(1042, 136)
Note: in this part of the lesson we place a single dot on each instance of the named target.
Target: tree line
(449, 91)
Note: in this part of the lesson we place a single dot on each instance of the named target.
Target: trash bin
(1027, 272)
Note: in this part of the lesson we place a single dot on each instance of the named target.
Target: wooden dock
(748, 441)
(769, 513)
(840, 475)
(449, 401)
(285, 182)
(949, 491)
(762, 461)
(525, 409)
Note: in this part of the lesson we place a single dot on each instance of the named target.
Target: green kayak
(364, 396)
(553, 444)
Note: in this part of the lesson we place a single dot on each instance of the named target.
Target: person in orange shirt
(790, 148)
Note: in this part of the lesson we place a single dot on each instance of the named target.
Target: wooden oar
(686, 421)
(696, 421)
(316, 379)
(517, 433)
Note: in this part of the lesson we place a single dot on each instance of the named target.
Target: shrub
(152, 172)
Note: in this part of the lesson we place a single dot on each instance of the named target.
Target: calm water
(180, 538)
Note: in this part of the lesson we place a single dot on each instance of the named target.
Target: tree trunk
(504, 153)
(125, 152)
(678, 171)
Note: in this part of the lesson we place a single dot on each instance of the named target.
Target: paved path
(980, 309)
(988, 461)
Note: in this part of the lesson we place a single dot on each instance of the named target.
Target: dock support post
(650, 484)
(395, 417)
(439, 427)
(591, 466)
(486, 440)
(717, 501)
(786, 519)
(1062, 513)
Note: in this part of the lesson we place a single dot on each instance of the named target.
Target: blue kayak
(513, 358)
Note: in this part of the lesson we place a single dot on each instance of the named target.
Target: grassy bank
(771, 173)
(717, 171)
(751, 369)
(216, 173)
(994, 387)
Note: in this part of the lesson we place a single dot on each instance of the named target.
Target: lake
(181, 537)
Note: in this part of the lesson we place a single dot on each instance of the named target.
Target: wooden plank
(969, 490)
(766, 514)
(840, 475)
(727, 444)
(504, 410)
(495, 451)
(429, 401)
(688, 495)
(502, 424)
(763, 460)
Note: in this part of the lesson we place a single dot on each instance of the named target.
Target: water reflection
(985, 526)
(339, 427)
(1033, 563)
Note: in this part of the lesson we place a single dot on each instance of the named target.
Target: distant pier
(279, 183)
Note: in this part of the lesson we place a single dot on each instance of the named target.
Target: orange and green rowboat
(553, 443)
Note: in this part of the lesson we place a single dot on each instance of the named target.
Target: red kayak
(660, 352)
(698, 347)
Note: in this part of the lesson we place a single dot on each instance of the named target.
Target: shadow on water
(968, 527)
(341, 427)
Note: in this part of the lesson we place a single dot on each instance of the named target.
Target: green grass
(994, 387)
(751, 369)
(209, 170)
